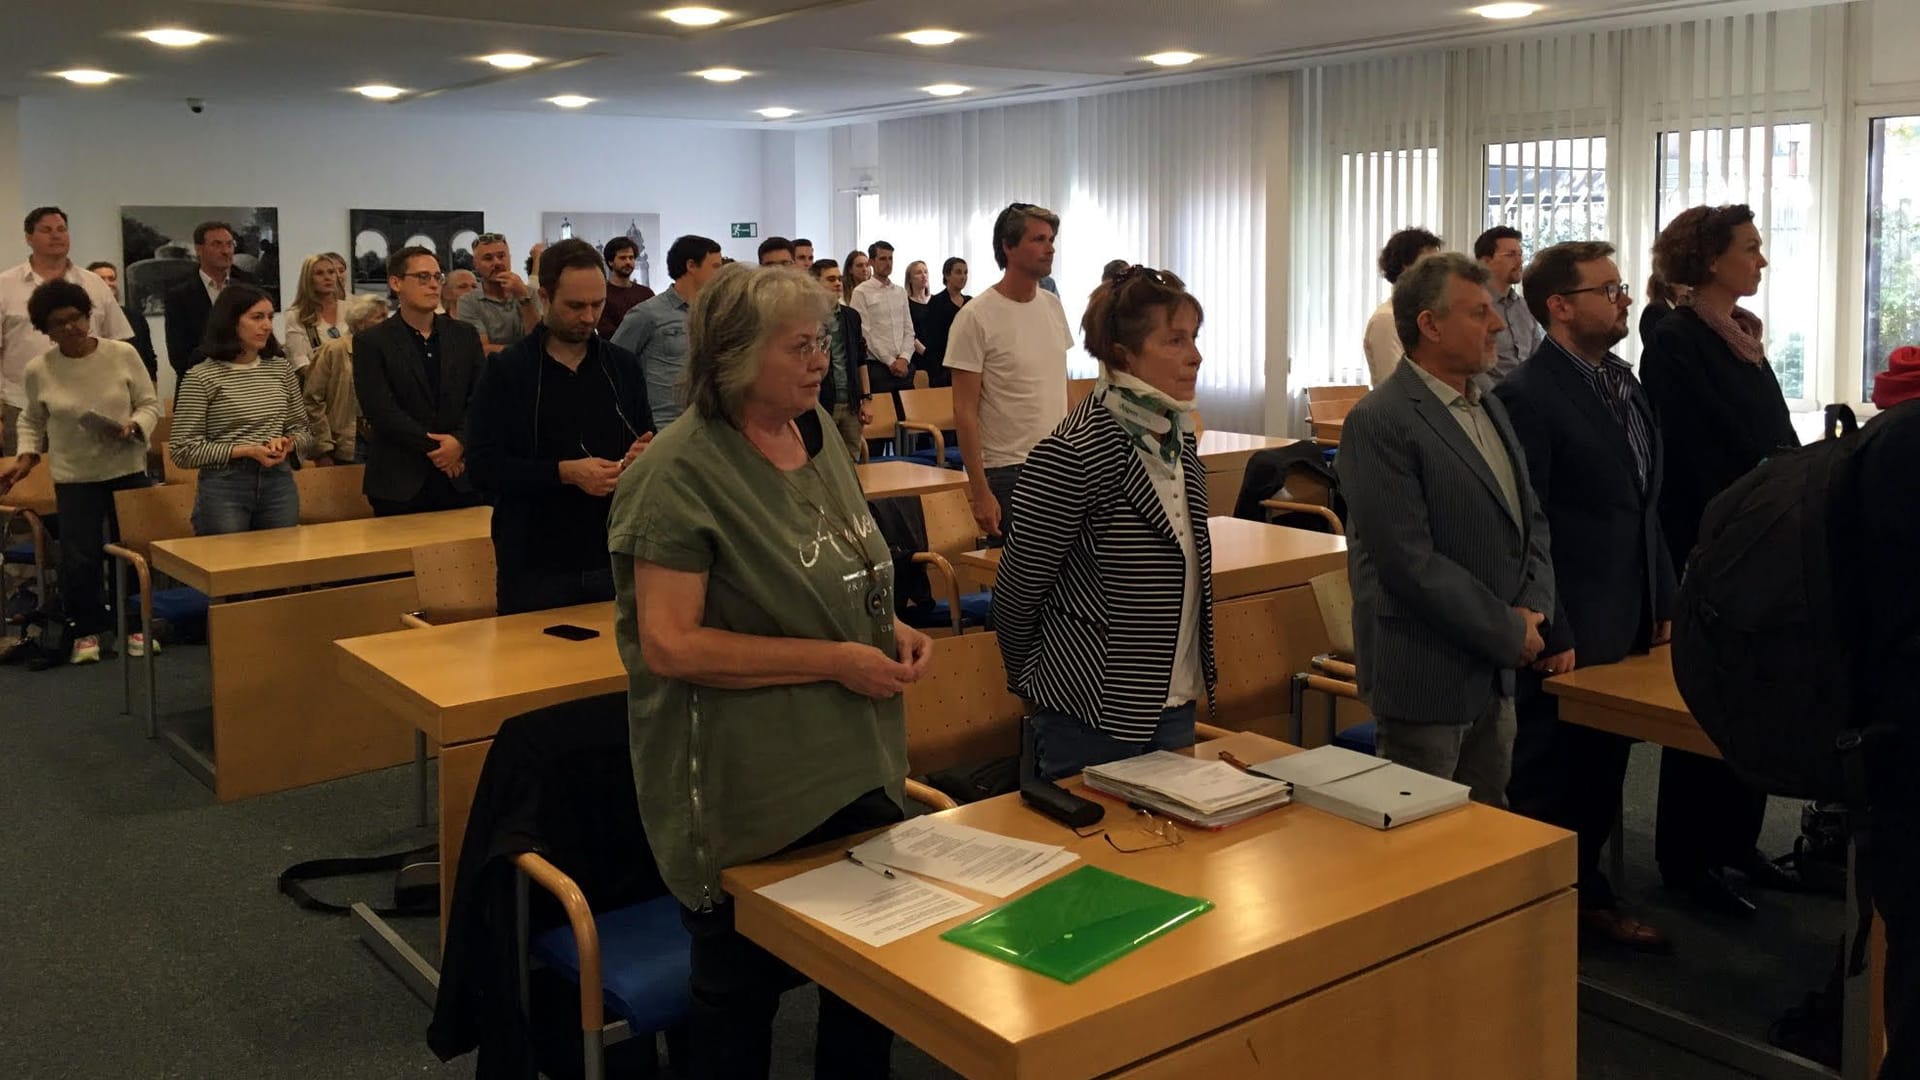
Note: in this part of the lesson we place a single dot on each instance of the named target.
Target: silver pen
(881, 870)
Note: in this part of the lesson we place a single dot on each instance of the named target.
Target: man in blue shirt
(656, 331)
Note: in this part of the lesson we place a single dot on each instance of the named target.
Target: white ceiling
(834, 60)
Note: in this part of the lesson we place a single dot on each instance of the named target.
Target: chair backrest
(1257, 646)
(931, 406)
(1333, 593)
(162, 512)
(886, 422)
(331, 493)
(1332, 402)
(951, 530)
(1078, 390)
(157, 444)
(962, 712)
(455, 580)
(35, 493)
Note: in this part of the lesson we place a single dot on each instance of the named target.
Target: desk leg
(419, 777)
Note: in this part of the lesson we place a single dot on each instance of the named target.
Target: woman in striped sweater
(1104, 600)
(238, 417)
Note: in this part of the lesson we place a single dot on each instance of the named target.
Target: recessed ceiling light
(694, 16)
(87, 76)
(174, 37)
(379, 91)
(778, 112)
(1175, 58)
(946, 89)
(511, 61)
(722, 74)
(571, 101)
(932, 37)
(1505, 11)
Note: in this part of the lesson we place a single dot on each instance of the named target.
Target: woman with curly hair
(1721, 412)
(1382, 343)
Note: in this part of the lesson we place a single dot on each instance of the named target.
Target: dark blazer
(186, 308)
(1612, 575)
(396, 400)
(1437, 562)
(1719, 414)
(1087, 600)
(856, 340)
(504, 459)
(142, 341)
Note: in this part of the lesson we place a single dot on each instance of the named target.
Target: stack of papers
(1369, 790)
(1207, 794)
(964, 856)
(864, 905)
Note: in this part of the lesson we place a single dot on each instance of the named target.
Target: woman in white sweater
(90, 407)
(238, 418)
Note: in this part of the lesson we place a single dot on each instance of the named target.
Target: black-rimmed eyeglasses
(1612, 290)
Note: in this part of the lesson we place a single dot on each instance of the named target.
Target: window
(866, 219)
(1552, 190)
(1769, 169)
(1893, 241)
(1381, 192)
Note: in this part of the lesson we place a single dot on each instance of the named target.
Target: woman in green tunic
(765, 664)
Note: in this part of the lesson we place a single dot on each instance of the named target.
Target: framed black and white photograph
(376, 234)
(598, 228)
(156, 248)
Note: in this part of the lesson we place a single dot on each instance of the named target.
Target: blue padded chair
(19, 503)
(951, 531)
(929, 412)
(635, 962)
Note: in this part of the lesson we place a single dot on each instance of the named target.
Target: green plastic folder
(1078, 924)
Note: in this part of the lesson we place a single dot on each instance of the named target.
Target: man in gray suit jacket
(1446, 542)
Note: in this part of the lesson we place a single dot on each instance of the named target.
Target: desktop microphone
(1047, 797)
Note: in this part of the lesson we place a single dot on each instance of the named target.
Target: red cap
(1901, 381)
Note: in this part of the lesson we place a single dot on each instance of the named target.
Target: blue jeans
(1001, 480)
(243, 497)
(1064, 745)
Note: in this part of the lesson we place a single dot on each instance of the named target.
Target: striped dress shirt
(1614, 381)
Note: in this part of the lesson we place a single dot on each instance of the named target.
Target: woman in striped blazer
(1104, 599)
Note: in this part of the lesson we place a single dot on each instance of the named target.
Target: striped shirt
(223, 405)
(1614, 381)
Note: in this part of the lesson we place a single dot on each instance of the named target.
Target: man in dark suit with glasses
(557, 418)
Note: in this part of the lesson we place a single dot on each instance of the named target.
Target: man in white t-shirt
(48, 244)
(1008, 356)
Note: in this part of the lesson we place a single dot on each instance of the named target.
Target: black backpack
(46, 640)
(1762, 651)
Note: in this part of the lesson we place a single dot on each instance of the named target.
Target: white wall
(11, 206)
(315, 164)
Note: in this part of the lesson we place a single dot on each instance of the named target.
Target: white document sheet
(971, 858)
(865, 905)
(1207, 786)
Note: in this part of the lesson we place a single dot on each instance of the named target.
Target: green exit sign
(746, 230)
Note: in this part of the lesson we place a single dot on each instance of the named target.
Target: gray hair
(729, 325)
(362, 309)
(1011, 228)
(1423, 287)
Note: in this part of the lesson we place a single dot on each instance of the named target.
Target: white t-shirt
(1020, 351)
(1383, 344)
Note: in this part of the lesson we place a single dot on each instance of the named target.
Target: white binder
(1369, 790)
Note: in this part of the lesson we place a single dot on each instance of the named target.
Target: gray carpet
(143, 935)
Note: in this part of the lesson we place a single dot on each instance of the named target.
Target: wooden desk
(457, 683)
(1225, 455)
(1444, 948)
(891, 479)
(1249, 557)
(280, 718)
(1637, 697)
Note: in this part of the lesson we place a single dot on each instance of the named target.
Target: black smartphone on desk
(571, 632)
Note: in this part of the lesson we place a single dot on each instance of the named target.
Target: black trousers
(87, 523)
(539, 590)
(1707, 818)
(437, 493)
(1568, 775)
(737, 987)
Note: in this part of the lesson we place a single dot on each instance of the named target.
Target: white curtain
(1596, 135)
(1172, 178)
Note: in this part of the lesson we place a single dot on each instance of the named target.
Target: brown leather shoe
(1614, 926)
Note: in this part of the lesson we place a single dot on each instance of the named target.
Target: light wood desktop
(280, 718)
(1444, 948)
(891, 479)
(1249, 557)
(1637, 697)
(1225, 454)
(457, 683)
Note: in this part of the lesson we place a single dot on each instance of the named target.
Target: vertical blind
(1594, 135)
(1172, 178)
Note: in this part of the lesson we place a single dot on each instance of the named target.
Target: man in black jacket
(415, 375)
(556, 418)
(188, 303)
(1594, 455)
(844, 392)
